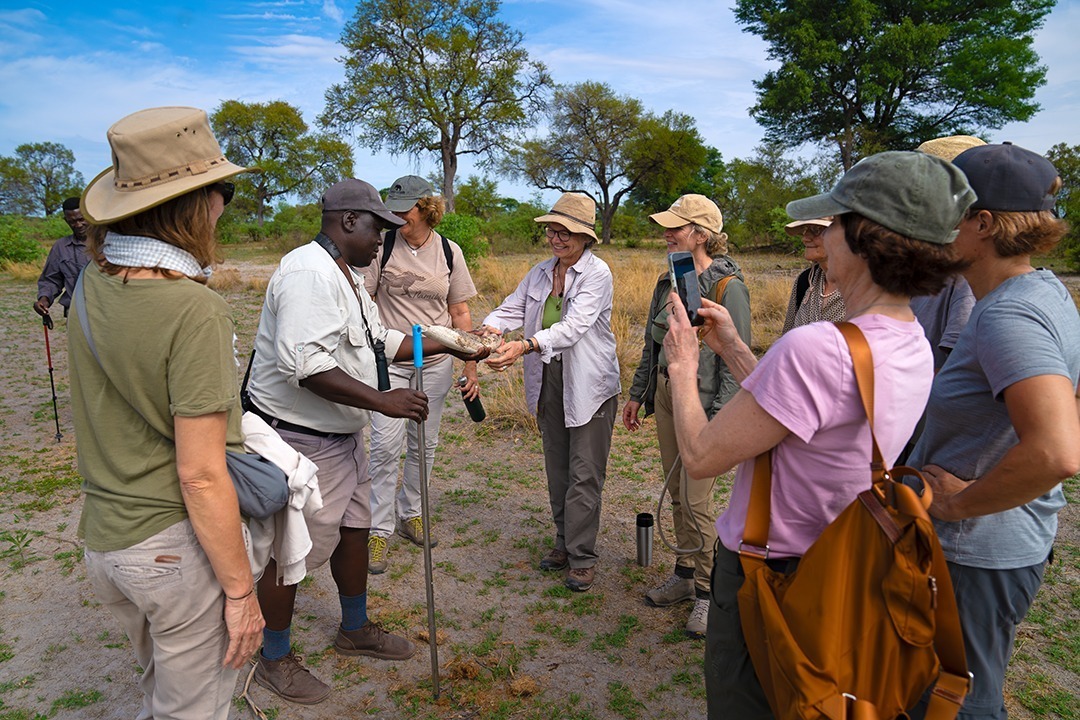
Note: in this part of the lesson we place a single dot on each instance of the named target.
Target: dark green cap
(911, 193)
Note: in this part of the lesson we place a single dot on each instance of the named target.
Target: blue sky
(68, 70)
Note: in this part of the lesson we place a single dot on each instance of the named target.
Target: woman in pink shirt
(895, 219)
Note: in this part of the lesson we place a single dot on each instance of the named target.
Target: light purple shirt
(806, 381)
(582, 338)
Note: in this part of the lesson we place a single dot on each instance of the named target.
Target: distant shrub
(514, 230)
(465, 231)
(46, 229)
(295, 219)
(15, 243)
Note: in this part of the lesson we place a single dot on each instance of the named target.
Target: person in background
(67, 258)
(813, 296)
(155, 405)
(1002, 430)
(801, 400)
(413, 280)
(571, 377)
(314, 380)
(692, 224)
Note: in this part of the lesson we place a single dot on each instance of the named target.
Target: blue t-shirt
(1026, 327)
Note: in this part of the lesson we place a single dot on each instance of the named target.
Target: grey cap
(1008, 178)
(911, 193)
(353, 194)
(405, 191)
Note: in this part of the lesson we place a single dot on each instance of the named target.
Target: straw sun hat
(574, 210)
(158, 154)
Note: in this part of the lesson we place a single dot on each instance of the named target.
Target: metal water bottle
(644, 539)
(474, 406)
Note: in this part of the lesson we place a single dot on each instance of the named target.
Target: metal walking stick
(46, 323)
(418, 363)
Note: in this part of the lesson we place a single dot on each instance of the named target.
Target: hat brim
(400, 204)
(816, 207)
(569, 222)
(668, 219)
(795, 228)
(102, 203)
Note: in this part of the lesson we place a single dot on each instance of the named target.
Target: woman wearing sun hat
(801, 400)
(154, 409)
(571, 376)
(692, 224)
(418, 283)
(813, 297)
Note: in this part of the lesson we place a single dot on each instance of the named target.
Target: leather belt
(279, 424)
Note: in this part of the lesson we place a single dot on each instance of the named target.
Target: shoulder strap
(756, 533)
(448, 252)
(802, 284)
(718, 292)
(387, 247)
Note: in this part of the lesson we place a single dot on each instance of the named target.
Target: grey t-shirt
(944, 315)
(1026, 327)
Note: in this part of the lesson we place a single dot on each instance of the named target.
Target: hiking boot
(290, 680)
(674, 590)
(555, 560)
(580, 579)
(699, 618)
(373, 641)
(412, 529)
(376, 547)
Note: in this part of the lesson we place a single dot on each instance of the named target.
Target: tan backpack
(858, 629)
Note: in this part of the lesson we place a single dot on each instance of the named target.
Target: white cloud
(25, 16)
(332, 11)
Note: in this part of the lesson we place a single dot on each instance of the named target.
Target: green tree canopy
(1066, 159)
(866, 75)
(605, 146)
(274, 137)
(38, 178)
(442, 77)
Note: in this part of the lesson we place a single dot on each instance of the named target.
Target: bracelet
(242, 597)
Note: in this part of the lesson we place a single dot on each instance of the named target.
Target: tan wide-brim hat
(696, 209)
(158, 154)
(795, 228)
(575, 211)
(947, 148)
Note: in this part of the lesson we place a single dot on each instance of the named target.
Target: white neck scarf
(145, 252)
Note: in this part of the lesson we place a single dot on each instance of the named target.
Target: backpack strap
(718, 292)
(802, 284)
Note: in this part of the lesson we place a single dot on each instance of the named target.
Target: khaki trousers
(698, 506)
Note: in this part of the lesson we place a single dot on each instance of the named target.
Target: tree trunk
(449, 163)
(607, 215)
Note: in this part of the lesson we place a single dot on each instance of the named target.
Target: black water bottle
(474, 406)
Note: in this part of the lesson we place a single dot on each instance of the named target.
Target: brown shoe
(580, 579)
(555, 560)
(290, 680)
(373, 641)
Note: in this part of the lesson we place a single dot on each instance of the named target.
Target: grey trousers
(576, 463)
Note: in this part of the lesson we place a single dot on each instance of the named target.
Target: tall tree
(37, 179)
(274, 137)
(605, 146)
(1066, 159)
(868, 75)
(442, 77)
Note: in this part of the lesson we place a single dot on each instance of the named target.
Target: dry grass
(21, 271)
(226, 279)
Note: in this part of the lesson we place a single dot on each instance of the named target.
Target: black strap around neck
(328, 245)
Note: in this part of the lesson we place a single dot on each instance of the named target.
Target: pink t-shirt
(806, 381)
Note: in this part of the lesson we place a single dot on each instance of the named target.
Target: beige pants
(165, 595)
(698, 507)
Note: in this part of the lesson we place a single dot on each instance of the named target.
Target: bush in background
(16, 245)
(465, 231)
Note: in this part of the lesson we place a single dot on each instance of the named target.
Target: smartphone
(684, 280)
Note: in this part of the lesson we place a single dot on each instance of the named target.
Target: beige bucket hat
(574, 210)
(158, 154)
(696, 209)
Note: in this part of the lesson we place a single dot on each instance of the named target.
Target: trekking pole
(418, 363)
(46, 323)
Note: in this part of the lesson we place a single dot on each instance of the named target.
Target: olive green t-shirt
(166, 348)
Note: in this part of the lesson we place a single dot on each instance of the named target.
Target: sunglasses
(227, 190)
(813, 230)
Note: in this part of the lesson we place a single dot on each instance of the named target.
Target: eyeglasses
(813, 230)
(563, 235)
(227, 190)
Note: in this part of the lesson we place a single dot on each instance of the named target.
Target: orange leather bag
(858, 629)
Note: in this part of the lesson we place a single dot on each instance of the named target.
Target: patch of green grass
(10, 685)
(73, 699)
(619, 637)
(622, 702)
(464, 498)
(6, 652)
(1043, 698)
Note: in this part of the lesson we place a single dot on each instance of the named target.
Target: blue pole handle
(417, 347)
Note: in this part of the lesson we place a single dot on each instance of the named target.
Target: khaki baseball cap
(696, 209)
(913, 194)
(353, 194)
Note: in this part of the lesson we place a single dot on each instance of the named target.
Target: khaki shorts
(344, 484)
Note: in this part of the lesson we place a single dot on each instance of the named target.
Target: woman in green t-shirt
(155, 403)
